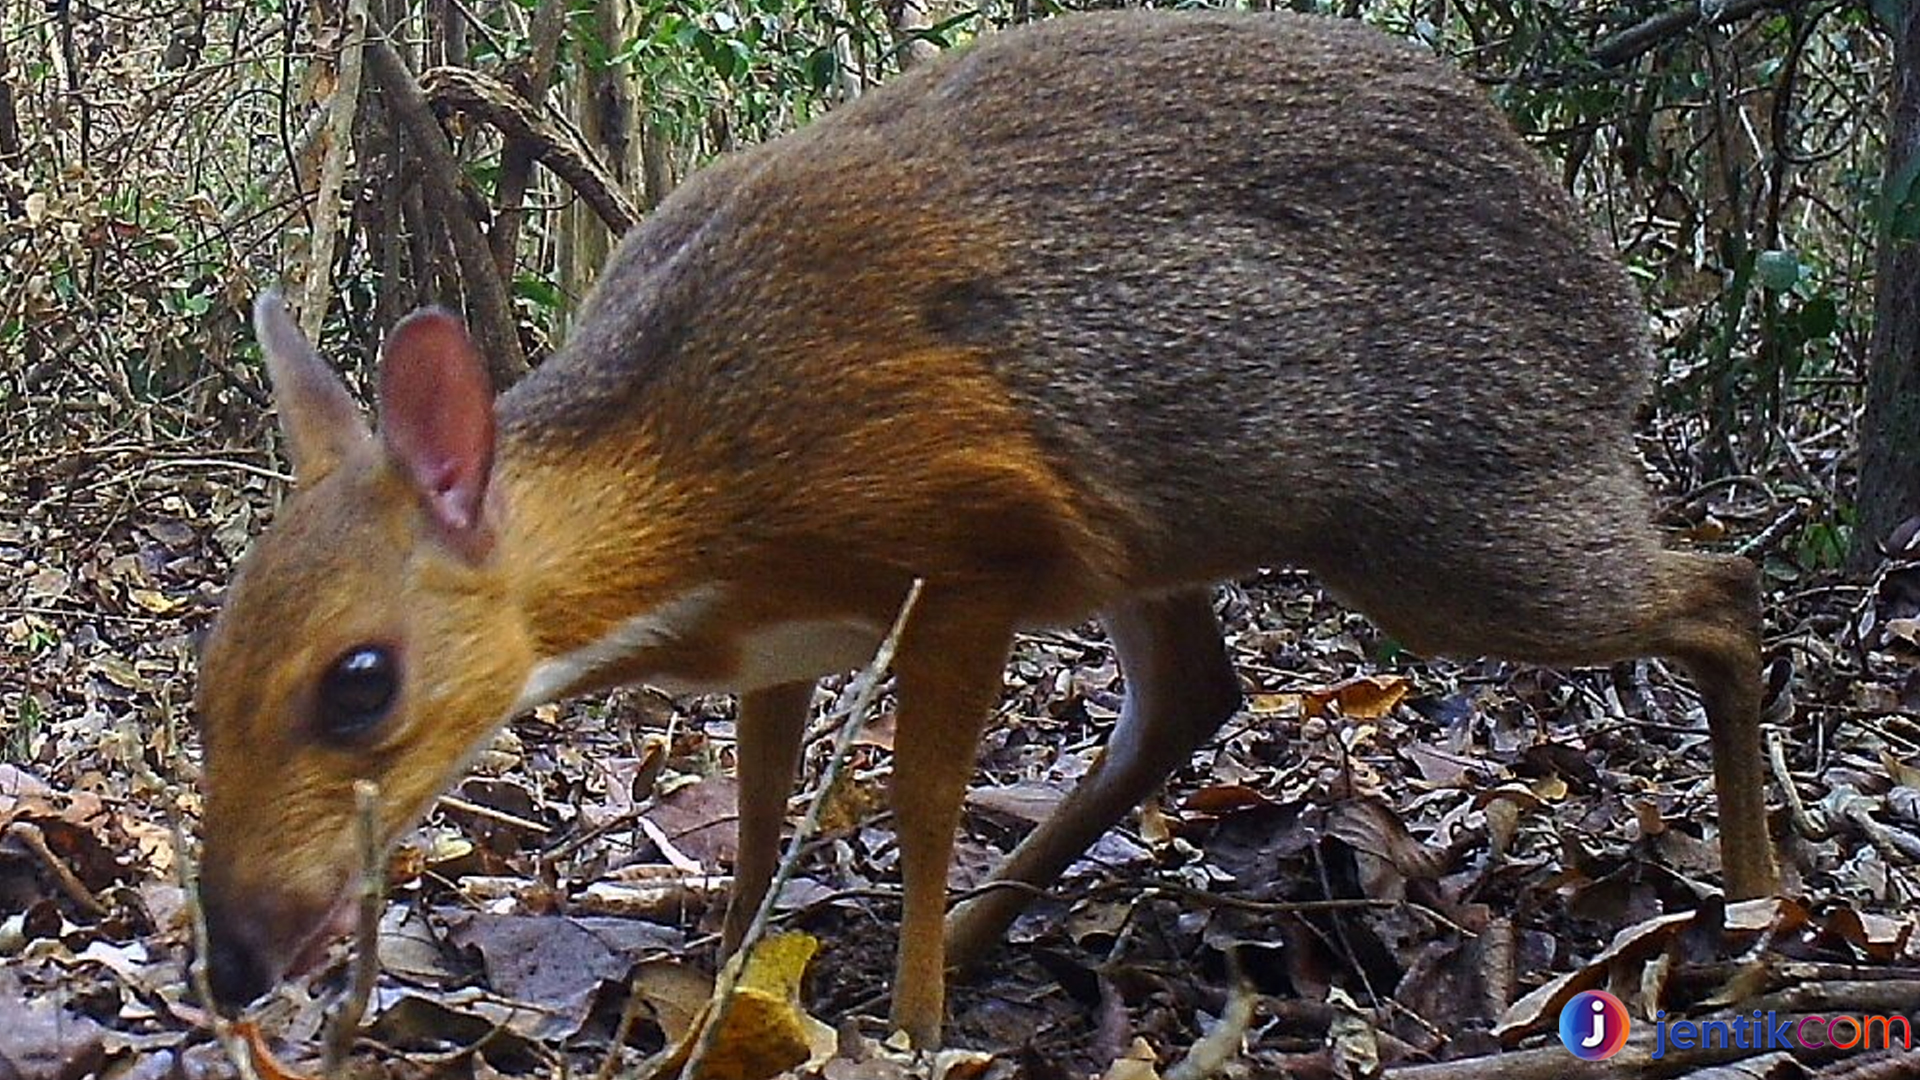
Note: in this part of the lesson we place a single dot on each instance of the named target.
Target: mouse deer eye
(357, 692)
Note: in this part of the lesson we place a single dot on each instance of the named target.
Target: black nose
(236, 972)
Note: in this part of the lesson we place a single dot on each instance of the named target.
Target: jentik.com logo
(1594, 1025)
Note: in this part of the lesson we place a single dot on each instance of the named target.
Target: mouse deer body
(1074, 322)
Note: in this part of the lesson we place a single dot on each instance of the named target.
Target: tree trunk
(606, 114)
(656, 165)
(533, 80)
(1890, 431)
(10, 146)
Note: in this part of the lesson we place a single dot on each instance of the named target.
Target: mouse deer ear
(317, 414)
(436, 418)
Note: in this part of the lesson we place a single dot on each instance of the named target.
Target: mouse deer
(1074, 322)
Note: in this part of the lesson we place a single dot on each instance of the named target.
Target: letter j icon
(1593, 1026)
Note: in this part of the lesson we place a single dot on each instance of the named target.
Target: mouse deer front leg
(772, 723)
(952, 653)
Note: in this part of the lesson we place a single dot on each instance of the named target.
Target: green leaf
(1777, 270)
(1819, 318)
(1823, 545)
(542, 292)
(821, 67)
(724, 59)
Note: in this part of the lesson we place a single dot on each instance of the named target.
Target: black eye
(357, 691)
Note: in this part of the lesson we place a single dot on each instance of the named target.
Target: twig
(1803, 822)
(1677, 507)
(236, 1049)
(1777, 530)
(554, 141)
(501, 817)
(273, 189)
(247, 467)
(1270, 907)
(1210, 1056)
(333, 168)
(36, 841)
(366, 945)
(867, 687)
(1627, 44)
(516, 158)
(629, 1016)
(489, 307)
(1199, 897)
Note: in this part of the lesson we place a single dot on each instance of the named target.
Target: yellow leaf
(850, 803)
(1903, 774)
(1368, 697)
(1138, 1064)
(763, 1031)
(676, 993)
(1282, 704)
(153, 601)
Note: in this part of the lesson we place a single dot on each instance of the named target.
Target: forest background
(1754, 163)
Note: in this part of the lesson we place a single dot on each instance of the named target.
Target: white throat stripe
(551, 678)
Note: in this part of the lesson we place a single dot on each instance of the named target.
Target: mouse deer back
(1074, 322)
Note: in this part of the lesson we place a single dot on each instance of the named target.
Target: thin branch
(31, 836)
(853, 718)
(333, 169)
(501, 817)
(239, 1054)
(629, 1016)
(345, 1026)
(555, 142)
(489, 308)
(1625, 45)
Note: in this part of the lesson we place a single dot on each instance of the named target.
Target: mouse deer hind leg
(1596, 590)
(1707, 617)
(1180, 687)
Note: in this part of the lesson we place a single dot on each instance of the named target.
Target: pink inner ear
(436, 415)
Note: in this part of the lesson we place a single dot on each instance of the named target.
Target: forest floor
(1497, 838)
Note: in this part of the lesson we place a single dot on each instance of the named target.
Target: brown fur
(1072, 323)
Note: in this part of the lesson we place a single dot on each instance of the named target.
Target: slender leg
(1603, 595)
(1180, 688)
(772, 722)
(950, 663)
(1714, 631)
